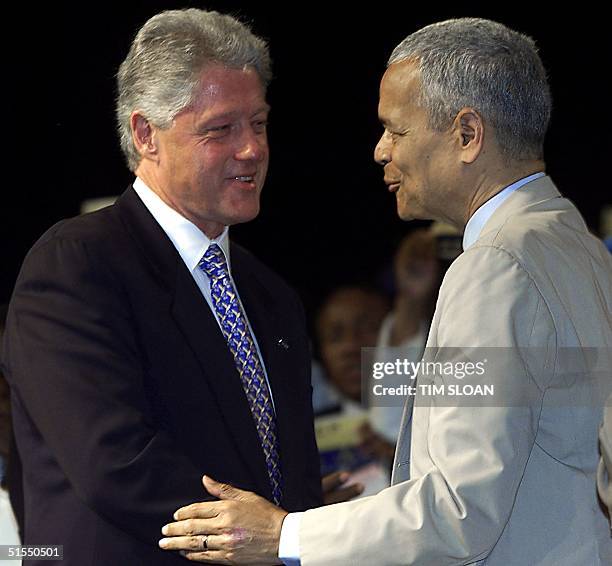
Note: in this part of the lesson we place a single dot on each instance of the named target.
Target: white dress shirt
(289, 544)
(191, 244)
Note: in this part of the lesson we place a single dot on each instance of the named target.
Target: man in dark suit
(144, 349)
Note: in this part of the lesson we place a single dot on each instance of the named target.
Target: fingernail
(176, 516)
(163, 542)
(165, 530)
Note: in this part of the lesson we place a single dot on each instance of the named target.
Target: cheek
(212, 158)
(400, 154)
(331, 356)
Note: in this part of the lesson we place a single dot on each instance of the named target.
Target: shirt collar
(479, 218)
(190, 242)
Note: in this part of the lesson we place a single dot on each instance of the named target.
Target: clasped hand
(240, 528)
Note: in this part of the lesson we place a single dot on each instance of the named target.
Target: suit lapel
(201, 331)
(401, 462)
(280, 359)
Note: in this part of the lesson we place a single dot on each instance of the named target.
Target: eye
(217, 131)
(260, 126)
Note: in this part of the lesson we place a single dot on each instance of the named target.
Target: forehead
(226, 87)
(399, 89)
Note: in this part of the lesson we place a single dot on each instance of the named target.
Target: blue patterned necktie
(248, 363)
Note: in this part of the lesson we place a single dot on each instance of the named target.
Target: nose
(382, 151)
(253, 145)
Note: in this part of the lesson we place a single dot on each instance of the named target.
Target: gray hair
(161, 70)
(484, 65)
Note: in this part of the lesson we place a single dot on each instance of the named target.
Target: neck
(491, 182)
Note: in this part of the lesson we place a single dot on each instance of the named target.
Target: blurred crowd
(354, 430)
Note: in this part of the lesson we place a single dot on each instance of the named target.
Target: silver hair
(471, 62)
(162, 69)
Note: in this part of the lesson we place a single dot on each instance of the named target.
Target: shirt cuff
(289, 544)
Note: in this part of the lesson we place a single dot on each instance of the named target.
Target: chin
(406, 212)
(412, 211)
(406, 215)
(244, 216)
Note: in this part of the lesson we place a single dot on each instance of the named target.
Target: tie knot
(213, 262)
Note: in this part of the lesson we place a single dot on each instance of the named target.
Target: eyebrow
(229, 115)
(265, 108)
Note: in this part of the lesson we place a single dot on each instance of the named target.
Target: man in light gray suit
(465, 105)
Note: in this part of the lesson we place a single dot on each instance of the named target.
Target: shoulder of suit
(100, 226)
(101, 233)
(543, 244)
(538, 233)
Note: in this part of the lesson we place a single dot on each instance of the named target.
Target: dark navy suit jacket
(125, 393)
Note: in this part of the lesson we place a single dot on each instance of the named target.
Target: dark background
(326, 215)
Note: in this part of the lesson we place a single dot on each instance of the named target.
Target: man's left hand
(241, 528)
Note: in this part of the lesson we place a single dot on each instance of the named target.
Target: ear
(143, 135)
(470, 127)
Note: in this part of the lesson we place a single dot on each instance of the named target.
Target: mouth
(392, 185)
(244, 181)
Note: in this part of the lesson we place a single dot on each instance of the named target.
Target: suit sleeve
(72, 356)
(467, 462)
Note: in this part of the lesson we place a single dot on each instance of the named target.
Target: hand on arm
(240, 528)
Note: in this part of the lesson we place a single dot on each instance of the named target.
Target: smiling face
(210, 165)
(420, 163)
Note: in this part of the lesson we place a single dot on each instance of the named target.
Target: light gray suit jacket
(604, 473)
(513, 481)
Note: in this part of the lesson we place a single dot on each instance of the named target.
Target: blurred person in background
(348, 320)
(417, 274)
